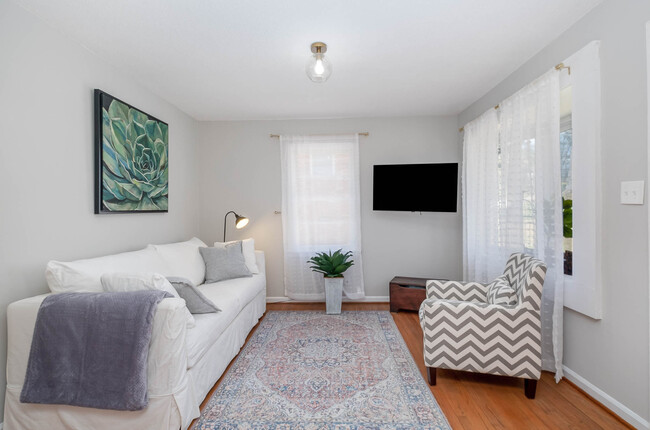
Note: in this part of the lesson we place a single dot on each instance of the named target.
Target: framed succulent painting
(131, 158)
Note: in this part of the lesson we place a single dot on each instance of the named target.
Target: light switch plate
(632, 192)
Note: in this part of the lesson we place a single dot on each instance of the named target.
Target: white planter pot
(333, 295)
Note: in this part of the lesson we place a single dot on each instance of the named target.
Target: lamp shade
(240, 221)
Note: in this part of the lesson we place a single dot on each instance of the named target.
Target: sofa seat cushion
(231, 296)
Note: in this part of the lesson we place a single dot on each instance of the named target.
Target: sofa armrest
(167, 361)
(21, 319)
(260, 259)
(480, 337)
(455, 290)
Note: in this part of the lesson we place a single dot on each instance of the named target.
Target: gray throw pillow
(224, 263)
(195, 301)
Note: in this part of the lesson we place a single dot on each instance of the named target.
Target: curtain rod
(558, 67)
(363, 133)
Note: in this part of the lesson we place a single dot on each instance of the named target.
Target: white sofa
(184, 361)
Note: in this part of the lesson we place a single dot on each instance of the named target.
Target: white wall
(240, 170)
(46, 160)
(611, 354)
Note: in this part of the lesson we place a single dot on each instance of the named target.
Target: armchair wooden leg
(431, 375)
(530, 387)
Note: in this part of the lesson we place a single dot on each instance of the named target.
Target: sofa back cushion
(85, 275)
(182, 259)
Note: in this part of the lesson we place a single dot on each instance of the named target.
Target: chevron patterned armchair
(479, 328)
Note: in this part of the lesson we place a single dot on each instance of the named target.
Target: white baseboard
(606, 400)
(277, 299)
(382, 299)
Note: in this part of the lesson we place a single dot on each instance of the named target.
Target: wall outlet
(632, 192)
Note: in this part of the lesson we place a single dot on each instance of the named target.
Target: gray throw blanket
(91, 349)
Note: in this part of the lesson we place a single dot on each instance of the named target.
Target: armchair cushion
(500, 292)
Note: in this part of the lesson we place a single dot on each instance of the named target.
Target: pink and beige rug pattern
(308, 370)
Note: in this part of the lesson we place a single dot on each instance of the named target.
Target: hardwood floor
(474, 401)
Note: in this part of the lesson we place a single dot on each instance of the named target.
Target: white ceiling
(245, 59)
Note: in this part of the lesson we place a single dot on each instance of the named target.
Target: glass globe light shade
(318, 68)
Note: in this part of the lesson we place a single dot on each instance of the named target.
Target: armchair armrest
(479, 337)
(261, 261)
(455, 290)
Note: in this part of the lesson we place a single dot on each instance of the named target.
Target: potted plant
(332, 267)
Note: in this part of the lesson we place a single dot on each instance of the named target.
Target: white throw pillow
(122, 282)
(182, 259)
(84, 275)
(248, 249)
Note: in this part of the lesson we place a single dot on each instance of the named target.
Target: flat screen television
(415, 187)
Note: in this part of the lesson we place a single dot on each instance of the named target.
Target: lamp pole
(224, 223)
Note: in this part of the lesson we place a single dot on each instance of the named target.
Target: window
(580, 150)
(320, 210)
(566, 147)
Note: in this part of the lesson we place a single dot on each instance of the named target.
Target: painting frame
(131, 158)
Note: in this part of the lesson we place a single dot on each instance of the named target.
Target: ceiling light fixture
(318, 67)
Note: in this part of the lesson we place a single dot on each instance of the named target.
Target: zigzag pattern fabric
(454, 290)
(500, 292)
(486, 338)
(526, 275)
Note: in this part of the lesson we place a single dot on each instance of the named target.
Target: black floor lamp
(240, 222)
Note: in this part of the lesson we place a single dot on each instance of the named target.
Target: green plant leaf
(153, 130)
(159, 191)
(164, 129)
(131, 134)
(330, 264)
(106, 125)
(118, 111)
(109, 158)
(129, 191)
(110, 190)
(138, 117)
(567, 218)
(138, 129)
(118, 139)
(146, 204)
(125, 205)
(162, 202)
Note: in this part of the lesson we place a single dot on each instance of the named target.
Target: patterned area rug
(308, 370)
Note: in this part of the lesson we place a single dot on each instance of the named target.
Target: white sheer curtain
(524, 211)
(320, 210)
(481, 198)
